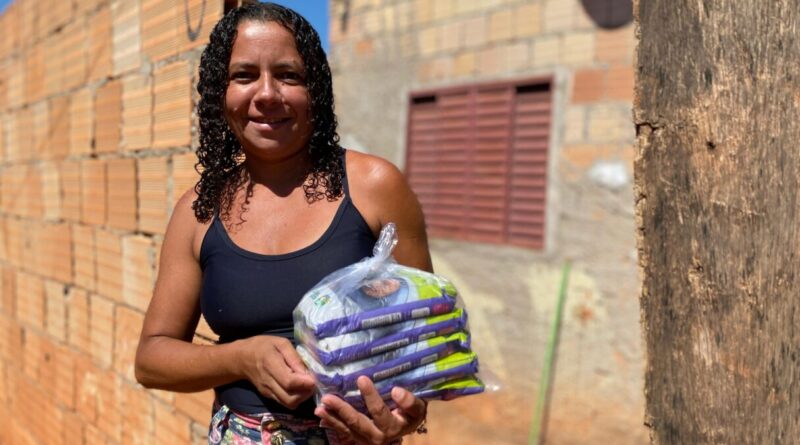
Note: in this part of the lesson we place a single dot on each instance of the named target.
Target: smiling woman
(279, 205)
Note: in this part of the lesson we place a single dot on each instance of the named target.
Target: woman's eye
(241, 75)
(291, 77)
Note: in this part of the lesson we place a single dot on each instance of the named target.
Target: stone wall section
(96, 141)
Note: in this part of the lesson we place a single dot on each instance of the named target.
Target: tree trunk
(717, 114)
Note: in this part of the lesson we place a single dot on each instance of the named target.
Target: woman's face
(267, 102)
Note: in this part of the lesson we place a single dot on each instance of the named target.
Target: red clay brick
(48, 370)
(9, 291)
(40, 131)
(59, 127)
(137, 423)
(11, 342)
(54, 255)
(170, 426)
(56, 306)
(84, 256)
(172, 106)
(152, 174)
(78, 319)
(34, 73)
(184, 176)
(30, 304)
(138, 256)
(108, 117)
(87, 377)
(16, 237)
(196, 405)
(126, 339)
(93, 191)
(72, 427)
(54, 64)
(70, 177)
(127, 36)
(101, 330)
(615, 46)
(159, 29)
(100, 62)
(109, 401)
(51, 190)
(620, 83)
(32, 350)
(589, 85)
(75, 46)
(65, 377)
(108, 248)
(81, 122)
(137, 112)
(121, 188)
(16, 82)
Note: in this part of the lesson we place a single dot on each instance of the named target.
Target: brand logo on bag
(320, 299)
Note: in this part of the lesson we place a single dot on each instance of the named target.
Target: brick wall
(96, 137)
(381, 51)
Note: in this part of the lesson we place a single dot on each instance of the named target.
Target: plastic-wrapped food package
(374, 292)
(437, 390)
(361, 344)
(378, 367)
(457, 365)
(398, 325)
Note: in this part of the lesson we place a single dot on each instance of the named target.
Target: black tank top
(246, 293)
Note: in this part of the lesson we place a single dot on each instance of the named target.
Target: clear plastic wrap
(374, 292)
(378, 367)
(397, 325)
(357, 345)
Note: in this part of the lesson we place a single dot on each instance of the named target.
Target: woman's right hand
(277, 371)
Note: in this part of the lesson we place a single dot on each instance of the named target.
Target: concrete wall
(384, 49)
(96, 137)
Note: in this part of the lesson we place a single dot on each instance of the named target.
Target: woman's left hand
(384, 427)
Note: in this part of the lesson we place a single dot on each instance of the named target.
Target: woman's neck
(280, 176)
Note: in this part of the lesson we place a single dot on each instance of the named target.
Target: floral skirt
(232, 428)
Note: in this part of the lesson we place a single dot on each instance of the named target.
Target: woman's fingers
(340, 413)
(375, 405)
(410, 405)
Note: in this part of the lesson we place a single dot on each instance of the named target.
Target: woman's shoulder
(372, 173)
(184, 224)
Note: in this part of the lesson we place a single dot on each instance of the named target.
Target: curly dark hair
(220, 154)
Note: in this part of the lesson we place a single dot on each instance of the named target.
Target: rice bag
(457, 365)
(436, 390)
(361, 344)
(374, 292)
(342, 378)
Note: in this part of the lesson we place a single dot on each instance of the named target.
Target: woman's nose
(268, 90)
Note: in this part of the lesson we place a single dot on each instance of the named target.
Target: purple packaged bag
(374, 292)
(340, 379)
(457, 365)
(362, 344)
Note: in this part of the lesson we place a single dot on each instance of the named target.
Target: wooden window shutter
(477, 161)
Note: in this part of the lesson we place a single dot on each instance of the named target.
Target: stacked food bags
(397, 325)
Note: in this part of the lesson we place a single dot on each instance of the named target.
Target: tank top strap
(345, 185)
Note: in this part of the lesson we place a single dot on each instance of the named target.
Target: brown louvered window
(477, 160)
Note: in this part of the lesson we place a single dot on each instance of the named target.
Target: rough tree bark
(717, 178)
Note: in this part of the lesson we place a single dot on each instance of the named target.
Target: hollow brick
(108, 117)
(83, 238)
(172, 106)
(30, 304)
(81, 122)
(108, 248)
(137, 423)
(121, 186)
(153, 192)
(184, 176)
(126, 339)
(75, 46)
(54, 252)
(197, 406)
(101, 330)
(93, 191)
(58, 130)
(51, 190)
(159, 29)
(137, 112)
(70, 178)
(127, 36)
(78, 320)
(202, 15)
(171, 426)
(100, 64)
(138, 271)
(56, 306)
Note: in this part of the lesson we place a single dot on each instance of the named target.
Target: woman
(279, 205)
